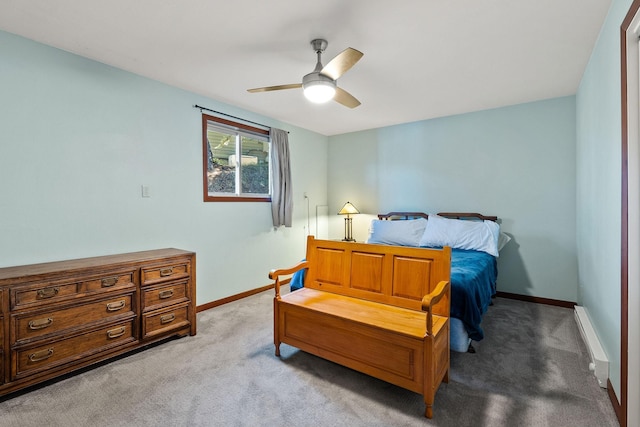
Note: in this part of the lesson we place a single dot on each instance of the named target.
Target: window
(236, 161)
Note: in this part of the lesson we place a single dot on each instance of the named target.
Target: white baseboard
(599, 361)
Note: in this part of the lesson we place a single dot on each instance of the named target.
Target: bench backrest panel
(395, 275)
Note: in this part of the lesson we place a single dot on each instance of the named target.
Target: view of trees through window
(237, 162)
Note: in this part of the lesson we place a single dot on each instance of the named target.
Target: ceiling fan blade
(271, 88)
(345, 98)
(341, 63)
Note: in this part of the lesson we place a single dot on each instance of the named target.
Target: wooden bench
(381, 310)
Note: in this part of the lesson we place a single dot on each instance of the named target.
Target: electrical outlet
(145, 191)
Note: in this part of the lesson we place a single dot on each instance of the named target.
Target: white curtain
(281, 197)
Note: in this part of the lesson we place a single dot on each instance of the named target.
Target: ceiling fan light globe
(319, 92)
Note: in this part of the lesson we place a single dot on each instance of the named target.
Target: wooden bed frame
(381, 310)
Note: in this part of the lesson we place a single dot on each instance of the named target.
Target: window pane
(221, 169)
(255, 166)
(236, 166)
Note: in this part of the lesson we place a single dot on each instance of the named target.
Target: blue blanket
(297, 281)
(473, 284)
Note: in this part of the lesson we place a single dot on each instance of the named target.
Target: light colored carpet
(530, 370)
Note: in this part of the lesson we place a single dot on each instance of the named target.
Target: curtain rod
(229, 115)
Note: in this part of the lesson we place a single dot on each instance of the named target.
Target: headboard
(455, 215)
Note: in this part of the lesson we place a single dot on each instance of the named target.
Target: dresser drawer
(45, 293)
(154, 297)
(163, 321)
(164, 273)
(33, 325)
(40, 358)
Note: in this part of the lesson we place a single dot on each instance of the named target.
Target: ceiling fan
(320, 85)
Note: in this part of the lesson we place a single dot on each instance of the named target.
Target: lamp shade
(348, 209)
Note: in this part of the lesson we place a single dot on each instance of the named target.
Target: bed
(475, 240)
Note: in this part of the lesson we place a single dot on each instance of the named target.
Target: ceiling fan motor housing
(315, 77)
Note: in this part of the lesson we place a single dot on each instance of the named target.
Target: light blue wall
(80, 138)
(598, 105)
(516, 162)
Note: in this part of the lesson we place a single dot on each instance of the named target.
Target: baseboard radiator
(599, 361)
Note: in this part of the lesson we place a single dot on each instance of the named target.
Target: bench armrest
(432, 298)
(275, 274)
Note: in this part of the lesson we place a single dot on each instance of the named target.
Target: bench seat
(402, 321)
(381, 310)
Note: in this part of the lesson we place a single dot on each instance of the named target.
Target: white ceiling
(422, 58)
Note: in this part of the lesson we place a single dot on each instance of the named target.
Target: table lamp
(348, 209)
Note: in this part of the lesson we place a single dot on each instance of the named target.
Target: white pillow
(399, 232)
(462, 234)
(503, 239)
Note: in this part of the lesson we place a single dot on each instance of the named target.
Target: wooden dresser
(58, 317)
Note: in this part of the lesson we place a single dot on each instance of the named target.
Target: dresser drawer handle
(167, 318)
(47, 293)
(115, 333)
(41, 355)
(165, 294)
(109, 281)
(115, 306)
(166, 272)
(34, 325)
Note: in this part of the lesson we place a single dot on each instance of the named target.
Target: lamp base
(348, 237)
